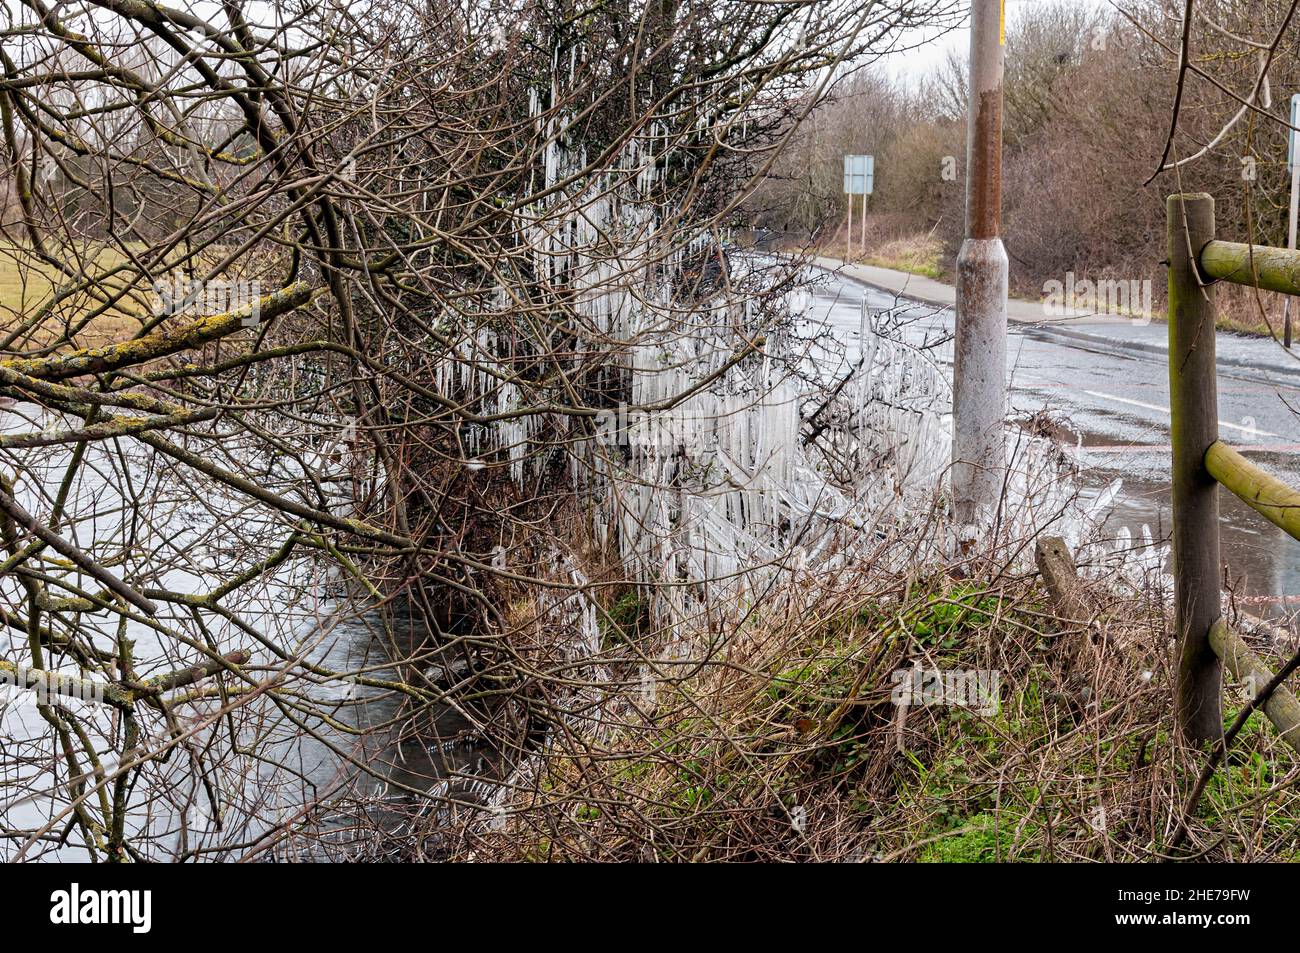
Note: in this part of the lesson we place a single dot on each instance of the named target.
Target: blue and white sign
(859, 172)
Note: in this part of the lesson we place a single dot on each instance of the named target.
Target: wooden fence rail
(1265, 494)
(1273, 269)
(1201, 463)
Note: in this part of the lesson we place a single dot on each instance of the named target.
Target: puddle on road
(1263, 562)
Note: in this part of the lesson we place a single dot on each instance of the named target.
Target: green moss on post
(1265, 494)
(1282, 708)
(1273, 269)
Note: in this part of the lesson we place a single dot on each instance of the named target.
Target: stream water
(182, 533)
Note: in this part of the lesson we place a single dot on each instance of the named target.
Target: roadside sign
(859, 171)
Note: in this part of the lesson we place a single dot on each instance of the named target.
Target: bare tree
(312, 318)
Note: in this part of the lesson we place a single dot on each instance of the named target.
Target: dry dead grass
(920, 254)
(780, 741)
(917, 253)
(1246, 311)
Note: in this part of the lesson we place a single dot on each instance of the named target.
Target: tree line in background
(1087, 115)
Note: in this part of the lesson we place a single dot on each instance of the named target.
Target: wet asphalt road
(1110, 399)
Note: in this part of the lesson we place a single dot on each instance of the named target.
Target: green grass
(626, 620)
(27, 284)
(917, 255)
(978, 840)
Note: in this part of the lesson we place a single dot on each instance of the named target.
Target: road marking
(1253, 431)
(1165, 448)
(1127, 448)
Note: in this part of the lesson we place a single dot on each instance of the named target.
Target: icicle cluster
(706, 476)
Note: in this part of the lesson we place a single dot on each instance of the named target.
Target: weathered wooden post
(1194, 412)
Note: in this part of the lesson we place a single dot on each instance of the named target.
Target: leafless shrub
(316, 543)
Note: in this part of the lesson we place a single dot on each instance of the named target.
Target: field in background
(28, 283)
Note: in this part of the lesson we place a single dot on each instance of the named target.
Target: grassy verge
(788, 742)
(1240, 310)
(916, 254)
(1244, 311)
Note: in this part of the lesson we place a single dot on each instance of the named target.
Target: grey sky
(913, 64)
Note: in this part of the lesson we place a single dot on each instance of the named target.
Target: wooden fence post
(1194, 409)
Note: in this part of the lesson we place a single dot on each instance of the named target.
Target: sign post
(859, 175)
(1293, 167)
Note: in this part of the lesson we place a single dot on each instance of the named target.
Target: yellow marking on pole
(1002, 23)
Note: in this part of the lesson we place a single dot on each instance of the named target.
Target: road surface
(1105, 382)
